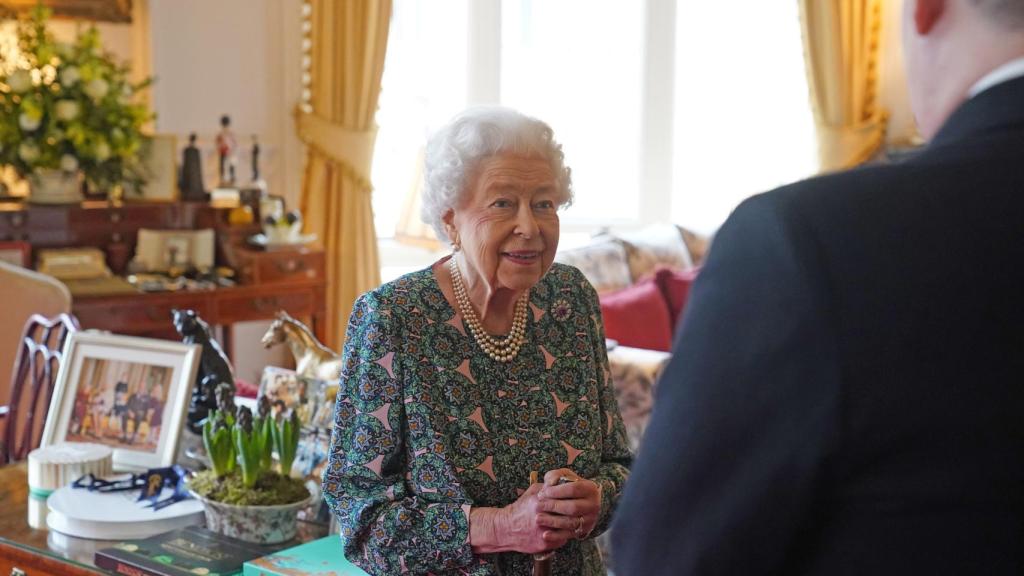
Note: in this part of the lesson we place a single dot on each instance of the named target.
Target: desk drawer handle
(265, 304)
(290, 265)
(15, 571)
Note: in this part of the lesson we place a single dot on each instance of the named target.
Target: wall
(236, 57)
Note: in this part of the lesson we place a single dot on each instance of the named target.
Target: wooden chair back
(32, 383)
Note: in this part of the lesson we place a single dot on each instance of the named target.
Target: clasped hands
(548, 515)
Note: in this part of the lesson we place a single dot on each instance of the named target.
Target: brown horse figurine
(312, 359)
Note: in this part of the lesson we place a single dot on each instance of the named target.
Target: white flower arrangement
(69, 107)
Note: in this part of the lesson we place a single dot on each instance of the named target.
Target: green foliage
(252, 447)
(264, 428)
(70, 106)
(270, 489)
(286, 441)
(250, 442)
(218, 443)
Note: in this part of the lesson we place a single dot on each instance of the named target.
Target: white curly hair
(455, 150)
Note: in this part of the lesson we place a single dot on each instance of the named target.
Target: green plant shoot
(250, 447)
(286, 441)
(217, 441)
(264, 426)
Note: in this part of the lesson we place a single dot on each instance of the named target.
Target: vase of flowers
(50, 186)
(68, 111)
(242, 494)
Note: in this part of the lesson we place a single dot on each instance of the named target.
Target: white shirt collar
(1009, 71)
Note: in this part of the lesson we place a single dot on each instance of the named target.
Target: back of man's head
(1006, 13)
(950, 45)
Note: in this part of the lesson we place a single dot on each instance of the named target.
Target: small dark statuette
(213, 366)
(191, 183)
(244, 419)
(225, 395)
(255, 159)
(263, 407)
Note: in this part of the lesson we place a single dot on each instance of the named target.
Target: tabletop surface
(14, 528)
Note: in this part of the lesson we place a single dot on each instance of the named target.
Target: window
(577, 65)
(743, 121)
(667, 110)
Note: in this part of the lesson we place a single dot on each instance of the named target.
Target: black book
(183, 552)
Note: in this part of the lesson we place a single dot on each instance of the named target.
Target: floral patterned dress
(427, 426)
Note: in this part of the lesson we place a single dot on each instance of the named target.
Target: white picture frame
(125, 392)
(160, 165)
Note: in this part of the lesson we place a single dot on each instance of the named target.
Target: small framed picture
(124, 392)
(159, 164)
(310, 462)
(17, 253)
(159, 250)
(311, 399)
(96, 10)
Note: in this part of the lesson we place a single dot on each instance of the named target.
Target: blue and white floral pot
(258, 524)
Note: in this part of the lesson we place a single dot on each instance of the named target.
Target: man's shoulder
(837, 189)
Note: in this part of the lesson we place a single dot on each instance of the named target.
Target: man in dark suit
(846, 394)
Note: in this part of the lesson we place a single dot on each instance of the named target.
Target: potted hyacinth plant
(68, 111)
(242, 493)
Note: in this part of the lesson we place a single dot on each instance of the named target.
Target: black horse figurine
(214, 368)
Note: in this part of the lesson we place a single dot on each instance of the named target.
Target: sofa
(643, 279)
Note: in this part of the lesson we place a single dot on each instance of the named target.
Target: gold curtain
(841, 44)
(349, 39)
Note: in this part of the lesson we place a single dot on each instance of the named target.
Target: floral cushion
(603, 262)
(660, 244)
(696, 244)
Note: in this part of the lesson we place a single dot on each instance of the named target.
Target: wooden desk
(149, 314)
(292, 279)
(42, 553)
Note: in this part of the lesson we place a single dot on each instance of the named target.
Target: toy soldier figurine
(226, 147)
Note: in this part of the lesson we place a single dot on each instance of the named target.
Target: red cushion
(244, 389)
(638, 316)
(675, 285)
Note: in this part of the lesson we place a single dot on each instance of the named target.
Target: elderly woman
(461, 379)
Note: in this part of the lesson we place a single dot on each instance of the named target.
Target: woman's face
(507, 223)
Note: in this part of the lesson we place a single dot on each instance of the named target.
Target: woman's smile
(522, 257)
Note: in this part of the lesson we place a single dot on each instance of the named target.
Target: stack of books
(194, 550)
(323, 556)
(184, 552)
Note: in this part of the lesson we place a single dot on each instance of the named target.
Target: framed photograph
(98, 10)
(159, 250)
(159, 161)
(310, 462)
(17, 253)
(312, 399)
(124, 392)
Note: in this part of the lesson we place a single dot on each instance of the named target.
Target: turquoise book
(317, 558)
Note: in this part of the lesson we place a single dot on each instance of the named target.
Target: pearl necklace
(499, 349)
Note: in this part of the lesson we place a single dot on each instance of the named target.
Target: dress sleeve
(615, 453)
(385, 526)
